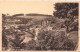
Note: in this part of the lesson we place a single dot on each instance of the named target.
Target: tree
(62, 9)
(69, 12)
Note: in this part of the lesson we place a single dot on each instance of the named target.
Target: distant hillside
(34, 17)
(31, 14)
(34, 14)
(15, 15)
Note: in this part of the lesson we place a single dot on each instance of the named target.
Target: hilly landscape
(42, 32)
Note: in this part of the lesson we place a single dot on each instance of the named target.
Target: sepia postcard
(39, 26)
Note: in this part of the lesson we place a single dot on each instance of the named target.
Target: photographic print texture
(41, 32)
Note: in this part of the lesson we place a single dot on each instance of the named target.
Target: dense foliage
(68, 12)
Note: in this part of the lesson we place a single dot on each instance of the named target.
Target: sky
(16, 7)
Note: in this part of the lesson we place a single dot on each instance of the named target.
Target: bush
(50, 40)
